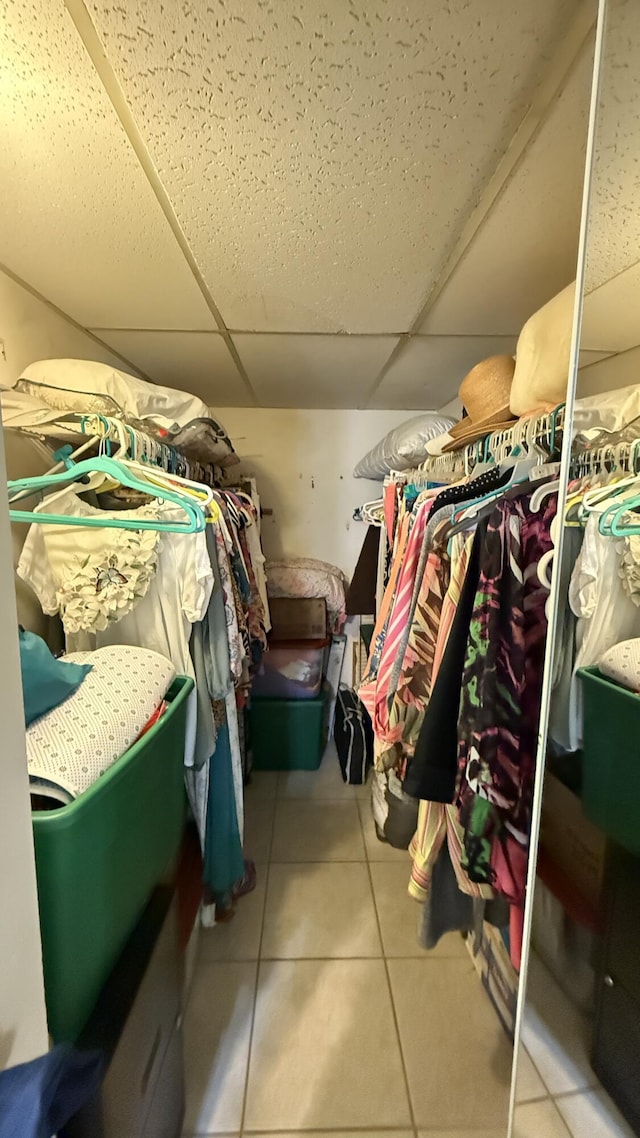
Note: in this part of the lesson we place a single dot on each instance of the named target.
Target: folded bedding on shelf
(71, 746)
(308, 577)
(49, 389)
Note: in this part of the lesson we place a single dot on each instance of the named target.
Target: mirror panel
(581, 1017)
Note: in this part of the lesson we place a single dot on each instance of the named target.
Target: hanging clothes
(95, 580)
(606, 606)
(196, 598)
(175, 595)
(500, 703)
(454, 679)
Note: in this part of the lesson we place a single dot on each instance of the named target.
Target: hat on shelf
(484, 393)
(436, 445)
(542, 356)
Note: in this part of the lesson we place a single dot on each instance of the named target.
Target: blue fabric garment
(46, 682)
(223, 856)
(214, 629)
(38, 1098)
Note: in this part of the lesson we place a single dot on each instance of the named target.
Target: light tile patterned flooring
(316, 1013)
(558, 1094)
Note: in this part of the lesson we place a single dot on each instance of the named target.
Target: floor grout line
(378, 956)
(573, 1093)
(524, 1048)
(414, 1124)
(257, 982)
(364, 1130)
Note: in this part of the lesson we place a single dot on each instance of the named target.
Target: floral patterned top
(94, 580)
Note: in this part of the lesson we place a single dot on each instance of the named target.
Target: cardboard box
(298, 618)
(568, 837)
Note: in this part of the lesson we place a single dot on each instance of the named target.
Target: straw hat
(484, 393)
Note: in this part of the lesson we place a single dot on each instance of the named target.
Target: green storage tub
(288, 734)
(98, 860)
(611, 758)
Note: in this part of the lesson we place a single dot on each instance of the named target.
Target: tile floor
(558, 1094)
(315, 1013)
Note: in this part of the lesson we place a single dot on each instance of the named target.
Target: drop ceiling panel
(614, 209)
(78, 219)
(526, 251)
(429, 369)
(321, 156)
(199, 362)
(313, 371)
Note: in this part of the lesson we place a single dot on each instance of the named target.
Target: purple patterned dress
(500, 699)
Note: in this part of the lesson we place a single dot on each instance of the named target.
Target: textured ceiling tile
(527, 249)
(428, 371)
(321, 157)
(198, 362)
(313, 371)
(78, 219)
(614, 213)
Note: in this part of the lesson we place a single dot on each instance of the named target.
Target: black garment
(431, 773)
(361, 594)
(447, 909)
(468, 491)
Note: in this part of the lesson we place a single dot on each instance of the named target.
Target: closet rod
(141, 447)
(543, 432)
(623, 457)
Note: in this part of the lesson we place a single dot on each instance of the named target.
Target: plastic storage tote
(611, 775)
(98, 860)
(291, 669)
(288, 734)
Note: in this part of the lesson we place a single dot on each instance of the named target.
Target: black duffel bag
(353, 734)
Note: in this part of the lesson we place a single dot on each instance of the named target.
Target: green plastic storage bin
(98, 860)
(611, 758)
(288, 734)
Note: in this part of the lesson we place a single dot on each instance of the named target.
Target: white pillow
(543, 354)
(113, 392)
(85, 387)
(403, 447)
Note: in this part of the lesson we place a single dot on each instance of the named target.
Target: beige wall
(304, 463)
(32, 330)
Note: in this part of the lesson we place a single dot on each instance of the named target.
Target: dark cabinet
(137, 1026)
(616, 1047)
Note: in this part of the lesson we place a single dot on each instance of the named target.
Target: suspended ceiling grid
(612, 264)
(255, 200)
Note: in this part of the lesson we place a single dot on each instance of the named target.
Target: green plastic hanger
(120, 473)
(610, 523)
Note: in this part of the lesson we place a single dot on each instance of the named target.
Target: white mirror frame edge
(23, 1019)
(554, 596)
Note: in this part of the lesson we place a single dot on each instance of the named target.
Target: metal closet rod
(543, 431)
